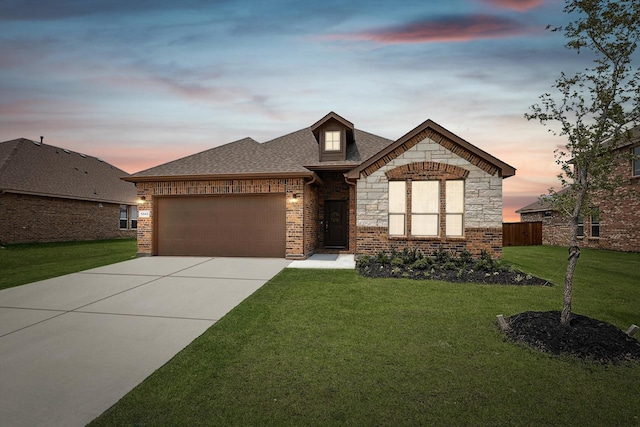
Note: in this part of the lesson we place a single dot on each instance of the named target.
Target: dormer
(333, 133)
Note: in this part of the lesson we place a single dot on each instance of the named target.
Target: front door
(336, 218)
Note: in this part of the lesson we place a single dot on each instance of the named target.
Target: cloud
(451, 28)
(519, 5)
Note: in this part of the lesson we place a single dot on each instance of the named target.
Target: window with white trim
(134, 217)
(124, 217)
(332, 140)
(454, 208)
(397, 207)
(425, 208)
(636, 161)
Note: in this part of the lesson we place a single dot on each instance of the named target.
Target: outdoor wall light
(142, 199)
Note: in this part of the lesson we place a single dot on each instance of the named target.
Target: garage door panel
(222, 226)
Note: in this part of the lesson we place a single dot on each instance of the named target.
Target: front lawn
(26, 263)
(323, 347)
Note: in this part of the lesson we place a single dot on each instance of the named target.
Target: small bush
(422, 264)
(397, 261)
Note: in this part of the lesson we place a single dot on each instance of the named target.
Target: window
(124, 217)
(134, 217)
(636, 161)
(332, 140)
(397, 207)
(580, 226)
(425, 208)
(454, 207)
(595, 222)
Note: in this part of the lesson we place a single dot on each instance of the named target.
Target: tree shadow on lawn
(585, 338)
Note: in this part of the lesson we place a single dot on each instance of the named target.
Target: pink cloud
(519, 5)
(444, 29)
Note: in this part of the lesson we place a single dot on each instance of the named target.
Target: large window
(426, 207)
(332, 140)
(580, 226)
(397, 207)
(636, 161)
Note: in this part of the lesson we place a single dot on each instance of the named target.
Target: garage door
(235, 225)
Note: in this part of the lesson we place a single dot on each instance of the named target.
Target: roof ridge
(7, 160)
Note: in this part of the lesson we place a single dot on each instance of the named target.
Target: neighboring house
(614, 222)
(53, 194)
(328, 188)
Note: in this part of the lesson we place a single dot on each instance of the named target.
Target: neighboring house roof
(296, 154)
(29, 167)
(540, 205)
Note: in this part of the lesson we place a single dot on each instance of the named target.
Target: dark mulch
(585, 338)
(459, 275)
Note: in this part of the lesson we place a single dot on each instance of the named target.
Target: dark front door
(336, 218)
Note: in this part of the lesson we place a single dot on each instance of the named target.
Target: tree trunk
(574, 249)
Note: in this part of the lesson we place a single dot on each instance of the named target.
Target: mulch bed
(585, 338)
(457, 275)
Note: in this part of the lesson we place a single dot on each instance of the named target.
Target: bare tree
(594, 109)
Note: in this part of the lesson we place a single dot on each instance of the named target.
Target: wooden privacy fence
(521, 233)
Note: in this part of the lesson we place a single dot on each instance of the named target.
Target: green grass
(26, 263)
(315, 347)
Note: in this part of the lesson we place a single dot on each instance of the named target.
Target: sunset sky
(140, 83)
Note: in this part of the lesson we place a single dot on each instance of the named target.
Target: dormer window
(334, 135)
(332, 140)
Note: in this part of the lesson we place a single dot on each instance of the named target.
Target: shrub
(422, 264)
(382, 258)
(397, 261)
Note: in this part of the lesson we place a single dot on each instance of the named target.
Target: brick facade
(619, 217)
(372, 240)
(299, 238)
(26, 218)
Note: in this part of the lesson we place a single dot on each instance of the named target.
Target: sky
(140, 83)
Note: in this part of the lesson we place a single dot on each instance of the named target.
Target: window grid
(332, 140)
(432, 210)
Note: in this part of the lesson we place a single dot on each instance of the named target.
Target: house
(50, 194)
(613, 223)
(327, 188)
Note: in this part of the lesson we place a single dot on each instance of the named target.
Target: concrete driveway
(72, 346)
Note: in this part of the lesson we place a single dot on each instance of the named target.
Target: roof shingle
(29, 167)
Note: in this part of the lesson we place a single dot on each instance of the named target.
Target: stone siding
(483, 200)
(26, 218)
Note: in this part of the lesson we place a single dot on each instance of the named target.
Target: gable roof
(432, 130)
(29, 167)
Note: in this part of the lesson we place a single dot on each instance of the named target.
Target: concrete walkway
(340, 261)
(72, 346)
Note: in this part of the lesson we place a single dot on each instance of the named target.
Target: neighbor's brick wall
(25, 218)
(555, 229)
(483, 201)
(295, 246)
(619, 217)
